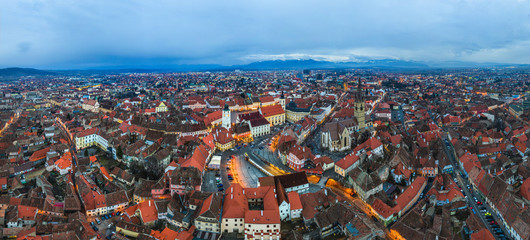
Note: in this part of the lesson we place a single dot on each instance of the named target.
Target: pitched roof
(87, 132)
(148, 211)
(347, 161)
(40, 154)
(294, 200)
(272, 110)
(263, 217)
(211, 207)
(235, 202)
(483, 234)
(259, 122)
(293, 179)
(105, 173)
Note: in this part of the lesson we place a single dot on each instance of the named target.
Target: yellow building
(274, 114)
(161, 107)
(91, 137)
(294, 113)
(222, 139)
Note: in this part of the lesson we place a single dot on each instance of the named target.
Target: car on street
(479, 203)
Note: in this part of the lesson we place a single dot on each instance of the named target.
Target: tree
(365, 136)
(119, 152)
(153, 168)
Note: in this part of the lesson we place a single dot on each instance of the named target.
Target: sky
(77, 34)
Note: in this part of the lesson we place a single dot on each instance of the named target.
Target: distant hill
(382, 64)
(12, 73)
(313, 64)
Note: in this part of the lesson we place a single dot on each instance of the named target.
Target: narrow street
(13, 119)
(470, 194)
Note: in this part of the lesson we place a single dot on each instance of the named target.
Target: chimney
(262, 213)
(326, 191)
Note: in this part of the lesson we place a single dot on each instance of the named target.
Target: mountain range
(384, 64)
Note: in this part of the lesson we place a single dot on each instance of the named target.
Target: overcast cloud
(85, 34)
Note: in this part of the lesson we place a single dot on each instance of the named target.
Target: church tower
(282, 101)
(226, 117)
(360, 106)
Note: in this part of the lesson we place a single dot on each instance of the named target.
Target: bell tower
(226, 117)
(360, 106)
(282, 101)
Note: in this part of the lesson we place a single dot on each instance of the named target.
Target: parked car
(98, 221)
(220, 185)
(221, 189)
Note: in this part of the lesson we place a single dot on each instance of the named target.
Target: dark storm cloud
(74, 34)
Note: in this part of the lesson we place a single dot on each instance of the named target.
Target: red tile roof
(38, 155)
(266, 99)
(87, 132)
(105, 173)
(27, 212)
(211, 117)
(410, 192)
(262, 217)
(235, 202)
(347, 161)
(148, 211)
(294, 200)
(272, 110)
(525, 189)
(483, 234)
